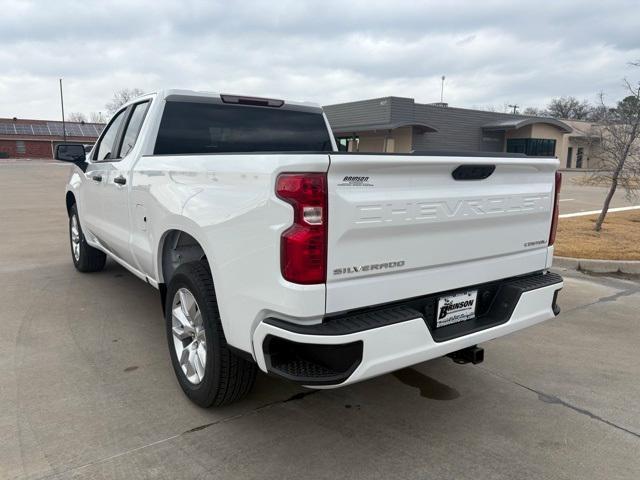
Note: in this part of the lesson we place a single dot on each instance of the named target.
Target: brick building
(21, 138)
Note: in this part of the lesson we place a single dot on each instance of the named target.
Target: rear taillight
(303, 246)
(556, 209)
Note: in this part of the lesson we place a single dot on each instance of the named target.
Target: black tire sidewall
(187, 277)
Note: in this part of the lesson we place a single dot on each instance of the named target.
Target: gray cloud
(492, 52)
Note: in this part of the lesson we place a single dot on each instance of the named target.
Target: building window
(569, 157)
(579, 154)
(534, 147)
(20, 147)
(347, 144)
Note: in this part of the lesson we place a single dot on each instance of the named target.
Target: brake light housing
(556, 209)
(303, 246)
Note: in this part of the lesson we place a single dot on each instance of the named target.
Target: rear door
(410, 220)
(91, 204)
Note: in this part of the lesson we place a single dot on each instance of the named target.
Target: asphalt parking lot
(577, 198)
(87, 389)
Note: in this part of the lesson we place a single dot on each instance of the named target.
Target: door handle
(120, 180)
(97, 178)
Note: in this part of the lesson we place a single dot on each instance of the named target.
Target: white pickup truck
(273, 250)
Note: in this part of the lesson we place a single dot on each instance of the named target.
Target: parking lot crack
(616, 296)
(608, 298)
(545, 397)
(552, 399)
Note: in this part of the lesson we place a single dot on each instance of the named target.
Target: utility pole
(515, 108)
(64, 129)
(442, 90)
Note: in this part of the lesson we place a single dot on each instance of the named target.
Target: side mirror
(70, 152)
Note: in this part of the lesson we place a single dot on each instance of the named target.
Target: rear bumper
(350, 348)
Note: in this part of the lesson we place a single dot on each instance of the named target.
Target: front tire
(209, 373)
(85, 257)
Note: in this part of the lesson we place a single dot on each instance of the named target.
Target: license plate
(456, 308)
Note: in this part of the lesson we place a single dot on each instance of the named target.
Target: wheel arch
(70, 200)
(177, 246)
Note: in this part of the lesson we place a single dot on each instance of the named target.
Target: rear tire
(85, 257)
(209, 376)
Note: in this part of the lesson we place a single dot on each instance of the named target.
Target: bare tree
(535, 112)
(97, 117)
(569, 108)
(76, 117)
(618, 133)
(121, 97)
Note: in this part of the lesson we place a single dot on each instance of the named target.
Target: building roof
(48, 128)
(421, 127)
(515, 123)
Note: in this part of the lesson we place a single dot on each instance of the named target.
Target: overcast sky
(492, 52)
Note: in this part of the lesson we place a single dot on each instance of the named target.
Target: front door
(117, 186)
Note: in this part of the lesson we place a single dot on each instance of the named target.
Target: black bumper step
(496, 302)
(311, 364)
(353, 323)
(304, 368)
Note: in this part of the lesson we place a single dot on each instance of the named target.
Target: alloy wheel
(189, 338)
(75, 237)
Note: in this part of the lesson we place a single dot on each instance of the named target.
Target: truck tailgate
(403, 226)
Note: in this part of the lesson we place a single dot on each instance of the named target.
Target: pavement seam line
(552, 399)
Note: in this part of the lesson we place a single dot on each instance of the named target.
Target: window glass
(534, 147)
(133, 128)
(106, 149)
(569, 157)
(211, 128)
(343, 144)
(20, 147)
(579, 155)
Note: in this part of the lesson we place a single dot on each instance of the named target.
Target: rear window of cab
(205, 128)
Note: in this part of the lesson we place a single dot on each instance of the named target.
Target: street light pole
(442, 90)
(64, 129)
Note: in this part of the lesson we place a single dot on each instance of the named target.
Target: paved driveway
(87, 389)
(576, 198)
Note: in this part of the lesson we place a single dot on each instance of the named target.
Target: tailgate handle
(473, 172)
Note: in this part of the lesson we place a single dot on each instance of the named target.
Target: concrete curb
(630, 267)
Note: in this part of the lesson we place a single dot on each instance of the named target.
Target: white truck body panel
(410, 212)
(227, 203)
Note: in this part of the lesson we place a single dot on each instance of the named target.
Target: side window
(133, 128)
(106, 149)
